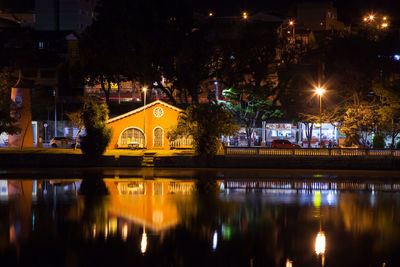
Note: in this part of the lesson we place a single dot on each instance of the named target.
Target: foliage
(98, 135)
(398, 145)
(245, 66)
(76, 119)
(389, 109)
(358, 122)
(149, 42)
(249, 108)
(378, 141)
(206, 122)
(308, 121)
(6, 122)
(352, 63)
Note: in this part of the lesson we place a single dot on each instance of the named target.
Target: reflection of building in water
(147, 202)
(20, 193)
(297, 184)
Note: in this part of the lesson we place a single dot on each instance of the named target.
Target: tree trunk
(195, 97)
(103, 88)
(393, 136)
(119, 91)
(248, 136)
(309, 128)
(76, 137)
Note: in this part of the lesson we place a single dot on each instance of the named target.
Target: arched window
(130, 136)
(158, 137)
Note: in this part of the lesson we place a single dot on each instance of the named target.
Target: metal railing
(182, 143)
(311, 152)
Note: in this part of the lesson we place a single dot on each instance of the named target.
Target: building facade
(145, 127)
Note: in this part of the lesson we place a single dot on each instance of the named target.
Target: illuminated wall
(156, 115)
(21, 111)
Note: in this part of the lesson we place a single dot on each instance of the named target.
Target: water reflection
(199, 222)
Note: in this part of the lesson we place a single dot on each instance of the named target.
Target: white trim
(154, 129)
(143, 108)
(132, 127)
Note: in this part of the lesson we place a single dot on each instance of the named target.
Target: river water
(189, 217)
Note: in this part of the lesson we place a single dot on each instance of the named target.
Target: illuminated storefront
(285, 131)
(328, 133)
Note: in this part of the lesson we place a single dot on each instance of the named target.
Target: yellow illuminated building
(144, 127)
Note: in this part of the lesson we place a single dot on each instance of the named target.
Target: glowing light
(244, 15)
(371, 17)
(288, 31)
(365, 19)
(289, 263)
(210, 14)
(330, 198)
(320, 90)
(396, 57)
(124, 232)
(94, 231)
(384, 18)
(144, 89)
(215, 240)
(317, 199)
(143, 244)
(384, 25)
(291, 22)
(113, 225)
(320, 243)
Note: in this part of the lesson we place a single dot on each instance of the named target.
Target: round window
(158, 112)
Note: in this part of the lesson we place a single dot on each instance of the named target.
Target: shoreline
(47, 160)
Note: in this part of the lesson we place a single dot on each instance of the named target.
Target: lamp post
(144, 114)
(55, 112)
(291, 23)
(320, 91)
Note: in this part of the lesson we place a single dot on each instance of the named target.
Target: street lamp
(144, 115)
(291, 23)
(320, 92)
(244, 15)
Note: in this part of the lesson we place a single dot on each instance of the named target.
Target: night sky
(349, 10)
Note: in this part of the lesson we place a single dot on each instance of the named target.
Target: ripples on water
(98, 219)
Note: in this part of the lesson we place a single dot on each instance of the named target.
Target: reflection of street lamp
(144, 115)
(320, 91)
(143, 243)
(320, 243)
(215, 240)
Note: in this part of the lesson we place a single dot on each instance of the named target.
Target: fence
(311, 152)
(182, 143)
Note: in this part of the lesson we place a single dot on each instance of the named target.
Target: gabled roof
(143, 108)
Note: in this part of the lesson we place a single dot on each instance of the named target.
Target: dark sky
(348, 10)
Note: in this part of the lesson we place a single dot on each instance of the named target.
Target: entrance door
(158, 137)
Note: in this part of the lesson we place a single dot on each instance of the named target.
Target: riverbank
(183, 159)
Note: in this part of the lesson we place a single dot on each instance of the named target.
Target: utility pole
(55, 112)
